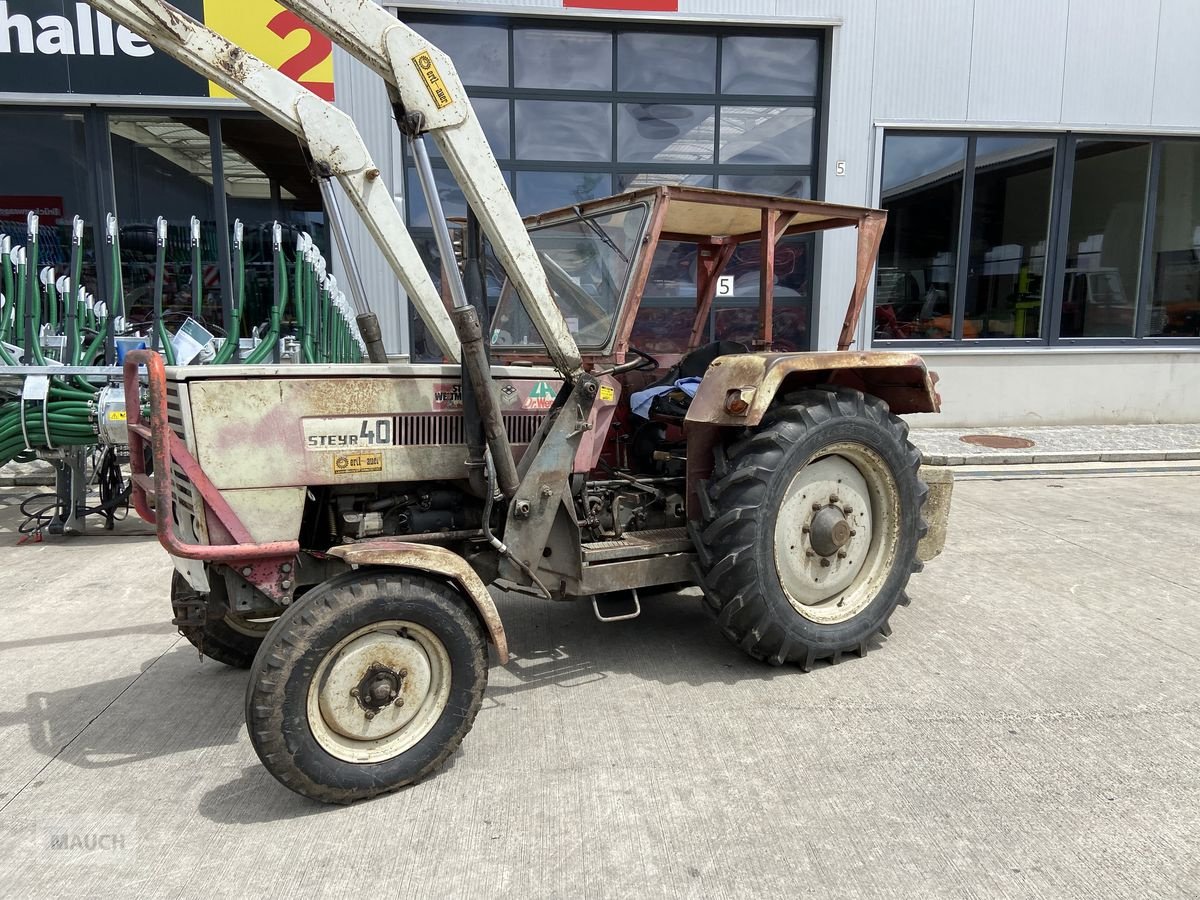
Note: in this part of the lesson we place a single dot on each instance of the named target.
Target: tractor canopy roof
(598, 257)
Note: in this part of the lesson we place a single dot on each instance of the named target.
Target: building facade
(1040, 163)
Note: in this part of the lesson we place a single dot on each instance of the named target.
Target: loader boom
(427, 96)
(423, 82)
(336, 147)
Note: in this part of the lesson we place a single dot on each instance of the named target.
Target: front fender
(899, 379)
(439, 561)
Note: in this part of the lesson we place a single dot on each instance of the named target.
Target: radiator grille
(425, 430)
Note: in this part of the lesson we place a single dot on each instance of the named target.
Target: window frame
(1061, 187)
(707, 174)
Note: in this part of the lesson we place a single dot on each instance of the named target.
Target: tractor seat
(669, 397)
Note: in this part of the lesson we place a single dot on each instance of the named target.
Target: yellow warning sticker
(356, 463)
(433, 79)
(607, 392)
(117, 415)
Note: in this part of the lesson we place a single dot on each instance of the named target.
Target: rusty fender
(439, 561)
(737, 390)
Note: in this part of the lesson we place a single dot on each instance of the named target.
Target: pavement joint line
(59, 752)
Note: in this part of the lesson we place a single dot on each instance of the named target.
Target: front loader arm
(333, 142)
(424, 82)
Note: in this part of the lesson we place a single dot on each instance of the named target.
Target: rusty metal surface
(167, 448)
(936, 511)
(439, 560)
(623, 574)
(997, 441)
(635, 544)
(870, 234)
(898, 378)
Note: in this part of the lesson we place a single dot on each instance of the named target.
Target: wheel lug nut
(847, 509)
(370, 714)
(833, 498)
(816, 506)
(353, 692)
(404, 673)
(853, 532)
(825, 564)
(399, 701)
(805, 530)
(810, 552)
(841, 554)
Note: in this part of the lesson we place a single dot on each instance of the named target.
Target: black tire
(227, 640)
(737, 543)
(306, 642)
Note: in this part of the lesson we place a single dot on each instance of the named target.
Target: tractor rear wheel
(367, 683)
(231, 639)
(811, 526)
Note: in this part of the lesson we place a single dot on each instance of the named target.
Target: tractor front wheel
(812, 522)
(367, 683)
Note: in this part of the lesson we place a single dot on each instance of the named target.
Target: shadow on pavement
(202, 706)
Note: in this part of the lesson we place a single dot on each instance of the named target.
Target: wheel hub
(379, 687)
(375, 685)
(829, 531)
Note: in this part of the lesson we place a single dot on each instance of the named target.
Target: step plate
(637, 544)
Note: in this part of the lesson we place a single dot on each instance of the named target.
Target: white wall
(1065, 387)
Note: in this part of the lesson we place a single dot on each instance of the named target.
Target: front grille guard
(152, 494)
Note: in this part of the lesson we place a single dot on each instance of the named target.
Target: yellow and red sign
(276, 36)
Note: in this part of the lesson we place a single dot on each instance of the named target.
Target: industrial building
(1039, 159)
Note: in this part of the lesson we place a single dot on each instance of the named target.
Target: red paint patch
(626, 5)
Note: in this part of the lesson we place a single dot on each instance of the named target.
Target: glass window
(564, 130)
(770, 65)
(587, 263)
(1010, 220)
(43, 169)
(1175, 259)
(631, 181)
(163, 167)
(775, 185)
(667, 63)
(922, 192)
(543, 191)
(561, 59)
(493, 118)
(480, 52)
(1104, 238)
(766, 135)
(450, 194)
(665, 133)
(267, 180)
(792, 265)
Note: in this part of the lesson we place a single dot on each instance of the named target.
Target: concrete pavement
(1029, 730)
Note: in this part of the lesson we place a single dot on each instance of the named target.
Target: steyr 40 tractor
(342, 530)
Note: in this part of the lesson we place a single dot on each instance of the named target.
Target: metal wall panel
(1109, 64)
(923, 59)
(1017, 60)
(362, 94)
(1176, 71)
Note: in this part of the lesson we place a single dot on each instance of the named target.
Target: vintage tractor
(343, 530)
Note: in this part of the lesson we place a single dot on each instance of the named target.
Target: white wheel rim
(351, 724)
(255, 628)
(825, 587)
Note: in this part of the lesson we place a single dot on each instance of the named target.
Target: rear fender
(437, 561)
(899, 379)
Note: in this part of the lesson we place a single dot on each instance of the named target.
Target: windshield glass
(587, 263)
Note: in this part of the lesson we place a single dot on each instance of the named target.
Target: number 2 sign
(277, 37)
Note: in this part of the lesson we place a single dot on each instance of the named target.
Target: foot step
(617, 606)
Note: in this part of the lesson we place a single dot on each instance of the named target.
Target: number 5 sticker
(276, 36)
